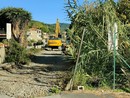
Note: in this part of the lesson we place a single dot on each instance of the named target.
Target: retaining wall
(2, 53)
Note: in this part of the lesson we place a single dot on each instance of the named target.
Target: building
(45, 38)
(6, 33)
(34, 34)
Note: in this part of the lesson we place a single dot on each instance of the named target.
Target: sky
(46, 11)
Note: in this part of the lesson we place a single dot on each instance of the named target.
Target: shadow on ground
(54, 62)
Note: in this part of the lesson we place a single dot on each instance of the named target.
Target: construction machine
(55, 39)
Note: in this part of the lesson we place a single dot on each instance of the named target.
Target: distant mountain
(49, 28)
(63, 26)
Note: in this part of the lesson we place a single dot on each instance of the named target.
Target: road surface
(80, 95)
(47, 69)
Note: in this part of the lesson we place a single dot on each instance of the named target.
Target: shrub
(55, 90)
(16, 53)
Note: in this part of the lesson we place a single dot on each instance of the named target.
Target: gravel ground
(90, 94)
(47, 69)
(20, 86)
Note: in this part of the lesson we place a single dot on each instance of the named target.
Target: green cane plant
(95, 59)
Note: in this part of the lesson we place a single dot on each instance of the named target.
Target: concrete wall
(2, 53)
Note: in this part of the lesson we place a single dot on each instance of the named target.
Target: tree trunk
(19, 32)
(16, 30)
(22, 35)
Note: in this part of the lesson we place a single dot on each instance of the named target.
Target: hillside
(50, 28)
(63, 27)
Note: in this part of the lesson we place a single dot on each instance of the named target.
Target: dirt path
(54, 59)
(47, 69)
(90, 95)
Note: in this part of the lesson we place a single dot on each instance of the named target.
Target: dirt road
(53, 59)
(47, 69)
(81, 95)
(88, 95)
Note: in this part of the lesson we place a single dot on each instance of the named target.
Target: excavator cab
(54, 43)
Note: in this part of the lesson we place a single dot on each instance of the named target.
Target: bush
(16, 53)
(55, 90)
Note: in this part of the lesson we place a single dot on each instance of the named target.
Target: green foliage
(55, 90)
(39, 25)
(49, 28)
(16, 53)
(19, 19)
(123, 9)
(12, 15)
(31, 42)
(63, 27)
(5, 41)
(81, 78)
(95, 59)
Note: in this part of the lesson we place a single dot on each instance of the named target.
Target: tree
(19, 18)
(38, 25)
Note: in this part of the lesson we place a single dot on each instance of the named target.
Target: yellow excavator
(55, 41)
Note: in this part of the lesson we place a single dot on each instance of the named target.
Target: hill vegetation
(63, 26)
(38, 25)
(49, 28)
